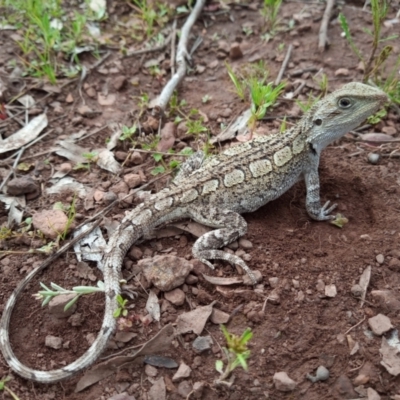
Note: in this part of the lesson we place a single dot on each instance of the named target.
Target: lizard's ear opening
(318, 122)
(344, 102)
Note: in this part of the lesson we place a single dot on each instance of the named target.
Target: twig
(182, 56)
(284, 65)
(354, 326)
(323, 35)
(173, 43)
(12, 172)
(299, 89)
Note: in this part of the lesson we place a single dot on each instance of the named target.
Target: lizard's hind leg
(231, 226)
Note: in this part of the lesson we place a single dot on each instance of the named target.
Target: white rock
(372, 394)
(380, 324)
(184, 371)
(53, 341)
(330, 291)
(283, 383)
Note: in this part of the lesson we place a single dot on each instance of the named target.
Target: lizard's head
(340, 112)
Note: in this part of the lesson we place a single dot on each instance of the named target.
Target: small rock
(98, 196)
(136, 158)
(191, 279)
(380, 324)
(344, 388)
(120, 187)
(380, 259)
(91, 92)
(151, 124)
(69, 98)
(388, 299)
(320, 286)
(283, 383)
(109, 197)
(65, 167)
(394, 264)
(223, 46)
(235, 51)
(184, 389)
(165, 272)
(53, 342)
(120, 155)
(23, 185)
(225, 113)
(57, 304)
(51, 223)
(118, 82)
(373, 158)
(132, 180)
(184, 371)
(372, 394)
(181, 130)
(219, 317)
(330, 291)
(76, 319)
(176, 297)
(342, 72)
(149, 370)
(357, 290)
(245, 244)
(202, 343)
(296, 283)
(273, 281)
(158, 391)
(274, 297)
(321, 375)
(135, 253)
(389, 130)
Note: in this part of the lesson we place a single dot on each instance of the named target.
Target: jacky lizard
(215, 191)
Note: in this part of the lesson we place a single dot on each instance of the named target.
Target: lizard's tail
(119, 243)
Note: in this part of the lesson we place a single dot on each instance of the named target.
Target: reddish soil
(306, 329)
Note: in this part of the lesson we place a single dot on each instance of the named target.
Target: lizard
(215, 191)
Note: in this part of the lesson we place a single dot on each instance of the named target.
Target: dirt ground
(306, 328)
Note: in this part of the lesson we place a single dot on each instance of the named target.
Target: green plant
(206, 98)
(306, 105)
(240, 84)
(70, 209)
(236, 353)
(127, 133)
(47, 294)
(269, 11)
(372, 63)
(48, 30)
(3, 386)
(121, 310)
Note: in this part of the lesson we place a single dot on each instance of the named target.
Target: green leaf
(157, 170)
(219, 366)
(71, 302)
(157, 157)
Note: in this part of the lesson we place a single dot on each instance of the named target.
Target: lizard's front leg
(231, 226)
(313, 202)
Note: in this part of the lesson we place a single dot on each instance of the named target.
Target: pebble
(380, 324)
(235, 52)
(165, 272)
(342, 72)
(202, 343)
(223, 46)
(184, 371)
(330, 291)
(245, 244)
(57, 304)
(120, 187)
(394, 264)
(380, 259)
(136, 158)
(225, 113)
(118, 82)
(357, 290)
(296, 283)
(184, 389)
(23, 185)
(389, 130)
(372, 394)
(273, 281)
(176, 297)
(344, 388)
(320, 286)
(219, 317)
(322, 374)
(76, 319)
(109, 197)
(388, 299)
(53, 342)
(191, 279)
(132, 180)
(149, 370)
(283, 383)
(50, 222)
(373, 158)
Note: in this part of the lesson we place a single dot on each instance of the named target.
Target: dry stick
(13, 168)
(150, 50)
(173, 43)
(323, 35)
(181, 57)
(284, 65)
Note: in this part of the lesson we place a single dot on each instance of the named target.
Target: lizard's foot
(326, 210)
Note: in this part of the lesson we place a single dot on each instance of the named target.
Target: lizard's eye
(344, 102)
(318, 122)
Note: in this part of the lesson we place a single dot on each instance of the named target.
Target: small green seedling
(121, 311)
(48, 294)
(236, 353)
(270, 12)
(127, 133)
(8, 390)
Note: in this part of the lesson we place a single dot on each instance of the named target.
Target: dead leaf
(364, 282)
(375, 138)
(152, 306)
(106, 160)
(25, 135)
(390, 357)
(194, 321)
(223, 281)
(158, 344)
